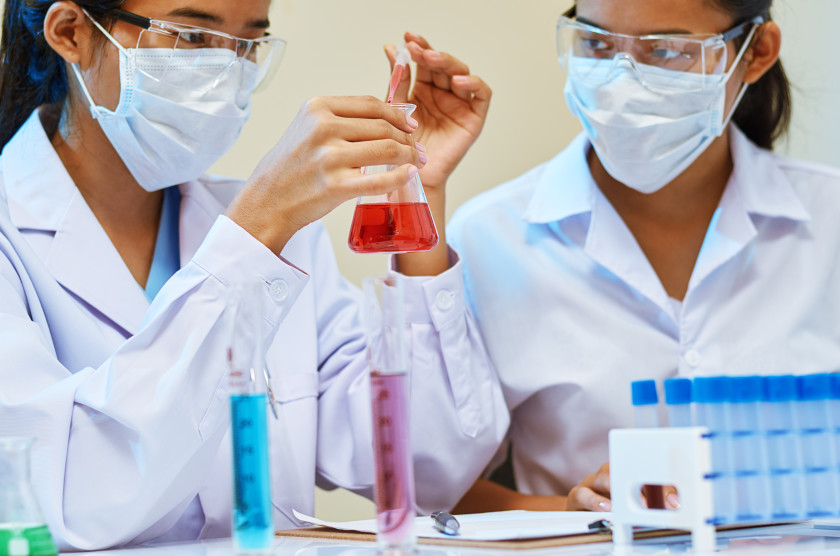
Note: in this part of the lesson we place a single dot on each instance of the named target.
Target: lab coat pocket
(294, 386)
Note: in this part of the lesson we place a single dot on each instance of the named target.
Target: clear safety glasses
(188, 44)
(580, 47)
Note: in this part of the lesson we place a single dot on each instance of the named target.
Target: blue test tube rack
(740, 450)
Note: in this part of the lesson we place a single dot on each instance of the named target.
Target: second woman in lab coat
(116, 252)
(663, 241)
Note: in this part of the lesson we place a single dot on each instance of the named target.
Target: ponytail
(32, 74)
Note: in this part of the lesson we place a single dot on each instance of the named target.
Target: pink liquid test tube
(400, 62)
(385, 329)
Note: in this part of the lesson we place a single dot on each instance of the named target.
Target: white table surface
(780, 541)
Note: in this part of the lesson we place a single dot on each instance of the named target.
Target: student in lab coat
(665, 240)
(116, 251)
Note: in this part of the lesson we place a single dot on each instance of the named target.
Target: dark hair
(765, 111)
(32, 74)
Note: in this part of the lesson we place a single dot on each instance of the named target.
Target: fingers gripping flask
(23, 531)
(397, 222)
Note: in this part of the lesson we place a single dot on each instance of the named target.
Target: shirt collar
(566, 187)
(38, 187)
(762, 186)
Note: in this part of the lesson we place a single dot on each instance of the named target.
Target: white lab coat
(129, 402)
(572, 311)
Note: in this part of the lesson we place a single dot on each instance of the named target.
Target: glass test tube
(385, 330)
(678, 400)
(812, 392)
(749, 457)
(253, 525)
(711, 395)
(783, 450)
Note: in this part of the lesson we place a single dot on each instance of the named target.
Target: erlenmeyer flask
(398, 222)
(23, 531)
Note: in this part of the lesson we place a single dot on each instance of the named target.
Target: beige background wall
(335, 48)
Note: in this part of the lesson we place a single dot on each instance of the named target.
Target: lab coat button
(692, 358)
(278, 290)
(444, 300)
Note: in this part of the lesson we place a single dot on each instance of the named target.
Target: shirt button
(278, 290)
(692, 357)
(444, 300)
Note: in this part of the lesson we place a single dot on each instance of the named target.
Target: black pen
(445, 523)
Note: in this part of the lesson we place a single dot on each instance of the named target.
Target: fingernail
(412, 123)
(433, 53)
(420, 146)
(462, 79)
(673, 501)
(605, 506)
(423, 158)
(412, 171)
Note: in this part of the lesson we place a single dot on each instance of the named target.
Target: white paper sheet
(492, 526)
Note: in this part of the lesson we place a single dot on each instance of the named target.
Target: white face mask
(646, 138)
(171, 130)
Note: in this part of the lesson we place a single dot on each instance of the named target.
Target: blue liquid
(253, 525)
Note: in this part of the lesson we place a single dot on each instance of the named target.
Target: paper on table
(491, 526)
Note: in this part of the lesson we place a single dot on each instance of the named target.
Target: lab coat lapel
(83, 260)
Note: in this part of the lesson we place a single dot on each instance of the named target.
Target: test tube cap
(813, 387)
(745, 389)
(834, 379)
(779, 388)
(644, 392)
(677, 391)
(711, 389)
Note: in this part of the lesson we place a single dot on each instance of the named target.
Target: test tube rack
(768, 451)
(670, 456)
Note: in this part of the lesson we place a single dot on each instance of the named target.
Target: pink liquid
(394, 489)
(396, 77)
(392, 228)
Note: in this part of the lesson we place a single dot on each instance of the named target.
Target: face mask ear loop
(120, 47)
(744, 86)
(95, 110)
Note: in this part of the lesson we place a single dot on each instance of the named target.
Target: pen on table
(445, 523)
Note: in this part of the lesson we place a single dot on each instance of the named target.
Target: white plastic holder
(669, 456)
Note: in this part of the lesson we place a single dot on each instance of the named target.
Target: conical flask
(398, 222)
(23, 531)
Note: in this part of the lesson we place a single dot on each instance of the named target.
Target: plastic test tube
(834, 405)
(711, 395)
(646, 406)
(783, 453)
(749, 458)
(812, 392)
(678, 400)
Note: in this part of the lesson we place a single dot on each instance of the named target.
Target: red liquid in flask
(394, 489)
(392, 228)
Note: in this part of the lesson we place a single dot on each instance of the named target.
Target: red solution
(392, 228)
(394, 488)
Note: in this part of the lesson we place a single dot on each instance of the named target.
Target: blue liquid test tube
(711, 395)
(816, 439)
(678, 400)
(834, 415)
(252, 518)
(749, 458)
(783, 450)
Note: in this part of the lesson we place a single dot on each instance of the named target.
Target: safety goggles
(581, 46)
(188, 44)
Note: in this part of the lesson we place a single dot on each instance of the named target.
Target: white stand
(668, 456)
